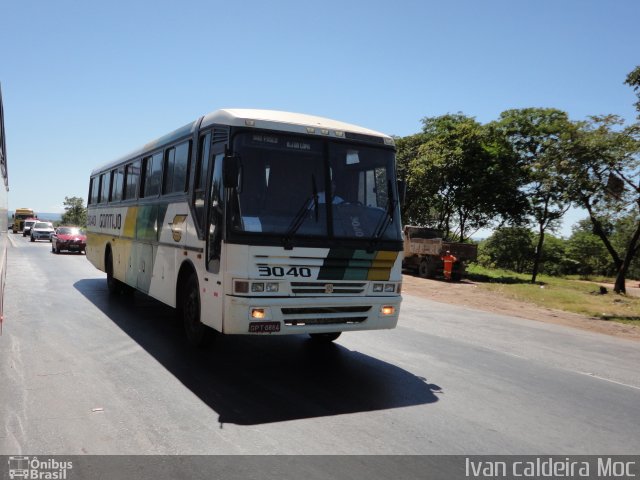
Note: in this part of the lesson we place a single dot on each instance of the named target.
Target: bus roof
(260, 119)
(287, 121)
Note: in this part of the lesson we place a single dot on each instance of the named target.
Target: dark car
(28, 223)
(68, 238)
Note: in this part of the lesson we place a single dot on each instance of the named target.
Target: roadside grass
(568, 294)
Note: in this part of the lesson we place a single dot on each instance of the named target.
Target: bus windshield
(310, 187)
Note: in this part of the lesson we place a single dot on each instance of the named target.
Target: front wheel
(198, 334)
(324, 337)
(33, 239)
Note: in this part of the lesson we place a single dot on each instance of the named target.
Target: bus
(255, 222)
(4, 211)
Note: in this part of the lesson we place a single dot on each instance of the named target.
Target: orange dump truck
(424, 248)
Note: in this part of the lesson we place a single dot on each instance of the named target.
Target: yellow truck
(20, 216)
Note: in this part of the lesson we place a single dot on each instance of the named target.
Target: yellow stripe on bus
(129, 229)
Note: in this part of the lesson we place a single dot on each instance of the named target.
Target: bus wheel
(198, 334)
(324, 337)
(112, 283)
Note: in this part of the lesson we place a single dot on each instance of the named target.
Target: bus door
(209, 208)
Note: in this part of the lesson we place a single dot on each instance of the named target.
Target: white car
(41, 231)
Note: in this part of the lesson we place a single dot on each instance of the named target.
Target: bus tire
(322, 338)
(112, 283)
(198, 334)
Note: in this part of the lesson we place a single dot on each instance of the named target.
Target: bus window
(116, 185)
(200, 186)
(152, 175)
(131, 180)
(104, 188)
(94, 189)
(176, 169)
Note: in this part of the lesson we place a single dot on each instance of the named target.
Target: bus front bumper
(288, 316)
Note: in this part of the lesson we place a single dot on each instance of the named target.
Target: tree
(75, 212)
(633, 80)
(537, 136)
(603, 167)
(458, 176)
(510, 248)
(587, 251)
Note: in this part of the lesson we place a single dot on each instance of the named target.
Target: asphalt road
(82, 373)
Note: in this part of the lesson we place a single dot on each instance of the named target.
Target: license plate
(264, 327)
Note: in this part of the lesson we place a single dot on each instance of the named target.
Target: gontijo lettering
(110, 221)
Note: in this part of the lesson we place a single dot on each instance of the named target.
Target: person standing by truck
(448, 260)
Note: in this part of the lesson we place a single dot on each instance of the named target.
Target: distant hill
(52, 217)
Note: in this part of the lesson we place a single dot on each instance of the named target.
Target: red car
(68, 238)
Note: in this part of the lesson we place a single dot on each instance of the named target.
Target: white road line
(608, 380)
(10, 237)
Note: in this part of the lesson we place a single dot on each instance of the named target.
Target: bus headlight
(377, 287)
(387, 310)
(260, 287)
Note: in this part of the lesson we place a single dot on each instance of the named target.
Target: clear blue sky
(86, 82)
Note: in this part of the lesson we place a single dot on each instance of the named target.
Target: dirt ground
(469, 294)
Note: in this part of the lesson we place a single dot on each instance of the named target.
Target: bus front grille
(323, 321)
(326, 288)
(334, 315)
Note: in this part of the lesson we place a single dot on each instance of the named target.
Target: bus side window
(200, 184)
(176, 168)
(152, 175)
(132, 177)
(116, 185)
(104, 187)
(93, 191)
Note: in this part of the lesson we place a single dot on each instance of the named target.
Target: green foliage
(75, 212)
(570, 295)
(588, 252)
(509, 248)
(602, 167)
(525, 169)
(537, 137)
(458, 175)
(633, 80)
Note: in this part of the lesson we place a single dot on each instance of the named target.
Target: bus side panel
(144, 256)
(96, 245)
(105, 227)
(172, 224)
(122, 250)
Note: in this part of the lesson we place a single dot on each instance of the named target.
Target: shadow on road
(255, 380)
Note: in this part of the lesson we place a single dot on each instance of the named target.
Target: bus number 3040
(265, 271)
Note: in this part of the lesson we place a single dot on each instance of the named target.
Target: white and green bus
(255, 222)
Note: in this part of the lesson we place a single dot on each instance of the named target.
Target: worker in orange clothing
(448, 261)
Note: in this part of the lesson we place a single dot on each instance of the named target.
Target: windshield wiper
(386, 219)
(298, 220)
